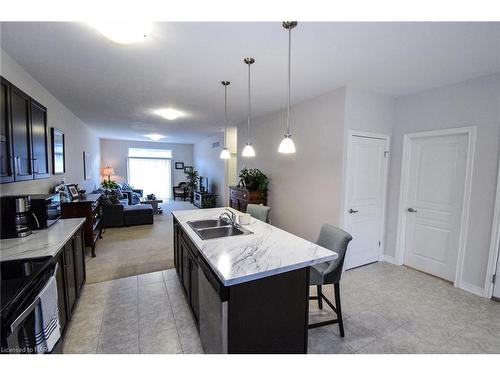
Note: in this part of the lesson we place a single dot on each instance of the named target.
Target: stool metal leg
(320, 297)
(336, 288)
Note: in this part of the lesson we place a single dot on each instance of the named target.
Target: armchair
(180, 191)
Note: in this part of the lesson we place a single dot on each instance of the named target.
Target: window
(149, 153)
(151, 170)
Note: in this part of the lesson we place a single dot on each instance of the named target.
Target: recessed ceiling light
(155, 136)
(169, 113)
(123, 32)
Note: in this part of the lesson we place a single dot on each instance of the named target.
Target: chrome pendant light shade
(287, 146)
(248, 151)
(225, 154)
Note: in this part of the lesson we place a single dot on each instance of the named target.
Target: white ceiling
(114, 88)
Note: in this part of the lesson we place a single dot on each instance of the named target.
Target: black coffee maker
(15, 216)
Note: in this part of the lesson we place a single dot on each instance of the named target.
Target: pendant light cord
(248, 124)
(225, 118)
(289, 69)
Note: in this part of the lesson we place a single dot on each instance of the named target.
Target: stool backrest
(259, 212)
(334, 239)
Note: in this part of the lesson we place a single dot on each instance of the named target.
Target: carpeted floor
(135, 250)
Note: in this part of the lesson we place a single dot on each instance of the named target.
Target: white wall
(78, 136)
(114, 152)
(369, 111)
(305, 188)
(472, 103)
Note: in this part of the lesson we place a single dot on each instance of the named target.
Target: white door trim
(387, 138)
(494, 243)
(404, 190)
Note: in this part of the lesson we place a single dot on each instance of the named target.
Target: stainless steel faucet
(230, 215)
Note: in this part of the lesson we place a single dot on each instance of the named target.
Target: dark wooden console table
(240, 197)
(90, 209)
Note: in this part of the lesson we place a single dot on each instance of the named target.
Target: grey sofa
(123, 215)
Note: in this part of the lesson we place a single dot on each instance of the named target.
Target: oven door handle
(16, 323)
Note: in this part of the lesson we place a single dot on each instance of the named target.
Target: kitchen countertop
(268, 251)
(43, 242)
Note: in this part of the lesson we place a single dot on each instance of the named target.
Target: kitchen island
(249, 292)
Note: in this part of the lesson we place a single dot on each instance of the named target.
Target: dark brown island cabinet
(71, 276)
(263, 316)
(23, 136)
(90, 209)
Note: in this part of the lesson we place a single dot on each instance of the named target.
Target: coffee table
(154, 203)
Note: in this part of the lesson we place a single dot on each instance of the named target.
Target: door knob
(351, 211)
(411, 210)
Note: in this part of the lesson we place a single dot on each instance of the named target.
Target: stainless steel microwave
(45, 209)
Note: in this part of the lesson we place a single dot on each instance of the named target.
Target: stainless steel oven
(21, 282)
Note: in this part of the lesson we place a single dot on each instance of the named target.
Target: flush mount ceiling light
(286, 145)
(123, 32)
(155, 136)
(225, 154)
(248, 151)
(169, 113)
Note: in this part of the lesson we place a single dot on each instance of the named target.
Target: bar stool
(259, 212)
(334, 239)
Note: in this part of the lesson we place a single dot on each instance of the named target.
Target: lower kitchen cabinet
(187, 269)
(79, 259)
(61, 291)
(70, 276)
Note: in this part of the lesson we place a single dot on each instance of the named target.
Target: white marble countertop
(43, 242)
(268, 251)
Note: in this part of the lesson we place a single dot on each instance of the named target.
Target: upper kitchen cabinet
(6, 162)
(21, 134)
(24, 136)
(39, 136)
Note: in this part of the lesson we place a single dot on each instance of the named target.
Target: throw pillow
(114, 199)
(105, 200)
(127, 186)
(118, 193)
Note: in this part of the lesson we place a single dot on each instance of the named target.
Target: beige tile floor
(387, 309)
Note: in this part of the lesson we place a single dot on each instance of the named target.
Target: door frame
(470, 131)
(494, 243)
(387, 139)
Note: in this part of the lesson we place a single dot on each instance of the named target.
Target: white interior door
(365, 199)
(434, 203)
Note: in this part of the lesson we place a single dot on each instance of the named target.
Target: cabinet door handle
(411, 210)
(36, 168)
(14, 159)
(351, 211)
(19, 166)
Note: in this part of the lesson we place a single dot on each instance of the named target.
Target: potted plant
(192, 182)
(254, 180)
(109, 184)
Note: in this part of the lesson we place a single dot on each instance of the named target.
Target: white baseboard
(388, 259)
(472, 289)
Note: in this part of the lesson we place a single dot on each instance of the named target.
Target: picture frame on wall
(179, 165)
(58, 148)
(188, 168)
(87, 165)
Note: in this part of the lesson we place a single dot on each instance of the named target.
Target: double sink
(216, 228)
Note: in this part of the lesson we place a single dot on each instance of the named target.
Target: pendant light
(248, 151)
(286, 145)
(225, 154)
